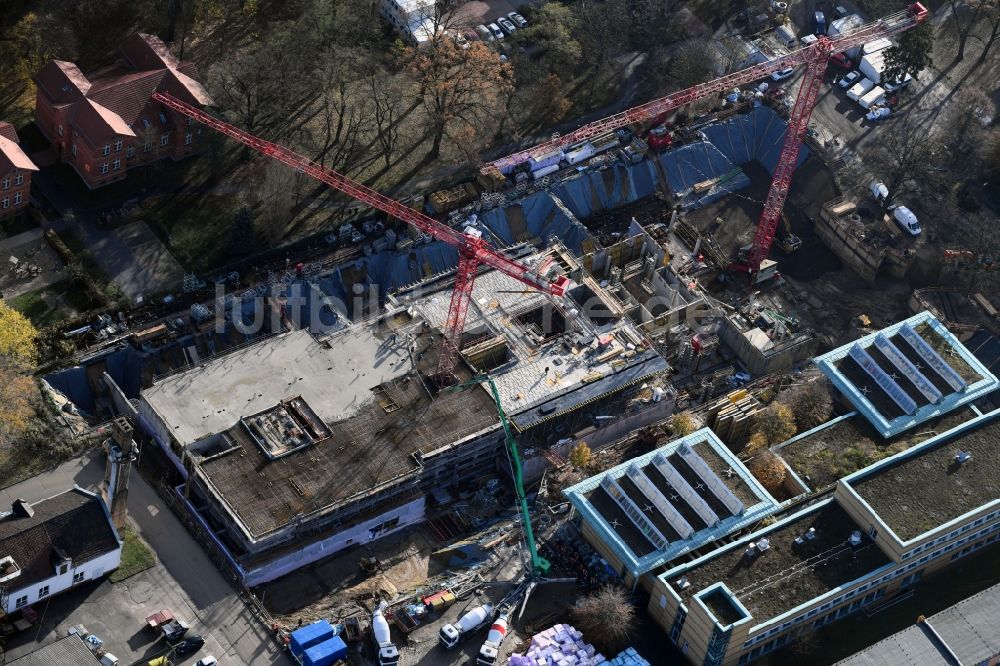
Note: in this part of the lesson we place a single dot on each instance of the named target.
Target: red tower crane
(814, 57)
(472, 251)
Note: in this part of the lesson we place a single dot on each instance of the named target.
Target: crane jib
(889, 25)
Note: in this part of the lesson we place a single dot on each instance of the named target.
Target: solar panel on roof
(713, 482)
(887, 383)
(634, 514)
(899, 360)
(676, 520)
(684, 489)
(932, 358)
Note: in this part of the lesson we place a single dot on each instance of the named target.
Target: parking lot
(183, 580)
(484, 12)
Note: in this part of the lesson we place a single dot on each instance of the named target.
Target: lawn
(38, 309)
(136, 556)
(196, 229)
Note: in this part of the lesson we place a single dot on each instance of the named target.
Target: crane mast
(814, 57)
(472, 251)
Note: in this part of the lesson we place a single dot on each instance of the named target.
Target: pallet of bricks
(731, 416)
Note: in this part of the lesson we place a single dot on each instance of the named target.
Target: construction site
(394, 439)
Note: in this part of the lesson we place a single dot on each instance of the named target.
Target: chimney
(22, 508)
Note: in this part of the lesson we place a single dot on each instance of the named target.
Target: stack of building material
(731, 416)
(559, 645)
(628, 657)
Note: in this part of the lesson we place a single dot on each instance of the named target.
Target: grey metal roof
(68, 651)
(968, 632)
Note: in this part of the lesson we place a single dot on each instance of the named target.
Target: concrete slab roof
(334, 376)
(965, 633)
(891, 401)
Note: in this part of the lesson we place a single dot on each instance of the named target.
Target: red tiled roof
(62, 81)
(143, 51)
(11, 155)
(129, 94)
(7, 131)
(118, 96)
(98, 123)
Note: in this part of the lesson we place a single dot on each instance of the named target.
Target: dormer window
(163, 119)
(145, 123)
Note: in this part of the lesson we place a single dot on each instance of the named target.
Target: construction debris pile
(559, 645)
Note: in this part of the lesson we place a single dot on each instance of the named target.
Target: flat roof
(926, 487)
(966, 631)
(333, 376)
(787, 574)
(688, 492)
(822, 456)
(906, 373)
(372, 447)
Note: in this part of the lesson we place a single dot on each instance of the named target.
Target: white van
(786, 35)
(905, 218)
(860, 89)
(874, 96)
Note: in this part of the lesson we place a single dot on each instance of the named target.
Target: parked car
(207, 661)
(518, 20)
(893, 86)
(472, 35)
(878, 113)
(495, 29)
(782, 74)
(190, 644)
(808, 40)
(820, 23)
(850, 79)
(841, 61)
(507, 26)
(485, 33)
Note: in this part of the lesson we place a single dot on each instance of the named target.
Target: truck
(786, 35)
(873, 65)
(490, 650)
(874, 96)
(388, 654)
(860, 89)
(453, 634)
(820, 23)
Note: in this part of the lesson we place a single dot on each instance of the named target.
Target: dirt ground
(320, 590)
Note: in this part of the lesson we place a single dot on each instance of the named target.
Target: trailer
(874, 96)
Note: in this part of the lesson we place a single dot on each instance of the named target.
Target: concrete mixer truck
(453, 634)
(388, 655)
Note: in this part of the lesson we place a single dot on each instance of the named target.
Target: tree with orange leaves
(461, 85)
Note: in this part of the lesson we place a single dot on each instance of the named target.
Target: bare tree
(385, 95)
(968, 16)
(606, 617)
(902, 151)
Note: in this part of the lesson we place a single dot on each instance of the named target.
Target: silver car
(518, 20)
(850, 79)
(507, 26)
(495, 29)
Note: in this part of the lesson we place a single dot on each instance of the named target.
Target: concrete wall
(407, 514)
(780, 357)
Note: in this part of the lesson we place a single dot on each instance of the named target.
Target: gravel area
(788, 574)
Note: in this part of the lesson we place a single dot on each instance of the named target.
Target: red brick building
(104, 123)
(15, 173)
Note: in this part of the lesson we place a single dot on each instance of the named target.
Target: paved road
(184, 580)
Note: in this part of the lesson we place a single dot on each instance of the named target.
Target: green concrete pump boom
(539, 565)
